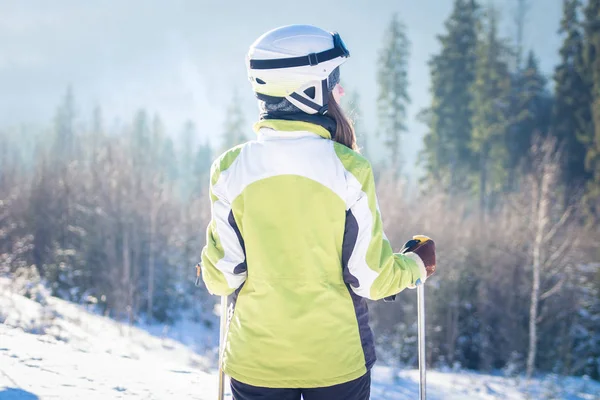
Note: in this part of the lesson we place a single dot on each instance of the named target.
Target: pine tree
(491, 109)
(490, 105)
(520, 18)
(449, 159)
(235, 125)
(591, 134)
(392, 80)
(66, 201)
(186, 159)
(96, 134)
(202, 162)
(572, 100)
(530, 115)
(64, 130)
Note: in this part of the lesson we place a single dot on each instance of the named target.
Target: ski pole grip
(408, 247)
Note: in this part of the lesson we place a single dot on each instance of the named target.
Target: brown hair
(344, 133)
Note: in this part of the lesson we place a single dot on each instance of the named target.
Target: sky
(184, 59)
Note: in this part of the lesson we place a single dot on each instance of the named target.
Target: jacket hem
(295, 383)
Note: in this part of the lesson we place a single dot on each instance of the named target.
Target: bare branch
(559, 224)
(555, 289)
(559, 252)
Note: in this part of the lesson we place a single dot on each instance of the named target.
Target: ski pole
(222, 347)
(410, 246)
(222, 327)
(421, 338)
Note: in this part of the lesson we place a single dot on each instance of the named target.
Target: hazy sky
(184, 59)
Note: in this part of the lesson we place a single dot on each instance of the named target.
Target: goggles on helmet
(339, 50)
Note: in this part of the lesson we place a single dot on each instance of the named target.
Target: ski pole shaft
(222, 346)
(421, 334)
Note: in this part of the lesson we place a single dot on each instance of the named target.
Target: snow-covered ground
(61, 351)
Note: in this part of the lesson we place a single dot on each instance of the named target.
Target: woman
(296, 234)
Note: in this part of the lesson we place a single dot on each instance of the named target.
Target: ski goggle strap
(339, 50)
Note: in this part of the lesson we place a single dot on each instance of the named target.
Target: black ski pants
(358, 389)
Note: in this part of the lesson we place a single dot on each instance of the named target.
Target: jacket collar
(290, 129)
(321, 125)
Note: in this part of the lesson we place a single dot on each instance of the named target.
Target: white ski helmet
(295, 62)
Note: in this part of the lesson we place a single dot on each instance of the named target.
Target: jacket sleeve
(371, 267)
(223, 258)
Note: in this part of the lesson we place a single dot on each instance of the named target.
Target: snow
(63, 351)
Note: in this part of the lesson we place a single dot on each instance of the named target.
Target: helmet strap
(311, 106)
